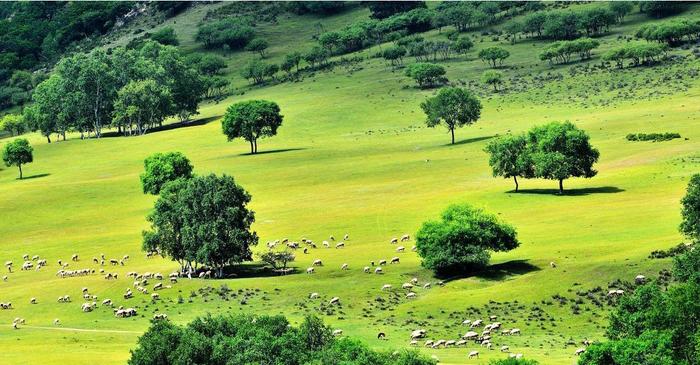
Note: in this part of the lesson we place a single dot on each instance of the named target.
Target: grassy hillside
(353, 156)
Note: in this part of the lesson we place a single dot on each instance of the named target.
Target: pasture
(354, 157)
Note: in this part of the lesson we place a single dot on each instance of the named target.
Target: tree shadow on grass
(571, 192)
(254, 270)
(495, 272)
(264, 152)
(167, 127)
(36, 176)
(469, 140)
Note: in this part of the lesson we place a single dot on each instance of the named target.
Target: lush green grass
(354, 157)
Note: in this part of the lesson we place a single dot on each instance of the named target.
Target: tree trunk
(255, 144)
(20, 171)
(252, 151)
(515, 178)
(561, 186)
(452, 130)
(48, 138)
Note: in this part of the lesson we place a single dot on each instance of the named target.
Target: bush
(461, 240)
(233, 33)
(656, 137)
(672, 32)
(638, 53)
(494, 55)
(426, 74)
(561, 52)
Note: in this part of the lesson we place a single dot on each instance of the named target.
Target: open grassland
(353, 156)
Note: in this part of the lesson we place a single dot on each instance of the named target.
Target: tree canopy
(508, 157)
(493, 78)
(251, 120)
(690, 210)
(426, 74)
(452, 107)
(17, 153)
(494, 56)
(202, 220)
(162, 168)
(461, 240)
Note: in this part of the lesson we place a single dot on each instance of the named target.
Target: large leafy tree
(141, 105)
(162, 168)
(426, 74)
(560, 151)
(508, 157)
(13, 124)
(252, 120)
(203, 220)
(453, 107)
(494, 56)
(461, 240)
(18, 153)
(690, 209)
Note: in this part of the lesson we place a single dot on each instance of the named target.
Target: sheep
(461, 343)
(378, 270)
(326, 244)
(310, 270)
(400, 249)
(394, 240)
(386, 287)
(515, 331)
(429, 343)
(405, 238)
(317, 262)
(35, 257)
(489, 345)
(107, 302)
(476, 323)
(382, 262)
(426, 286)
(381, 336)
(419, 333)
(155, 296)
(56, 322)
(450, 343)
(340, 245)
(493, 318)
(395, 260)
(407, 286)
(579, 351)
(474, 354)
(640, 279)
(313, 296)
(414, 281)
(471, 335)
(553, 265)
(160, 317)
(410, 295)
(74, 257)
(466, 322)
(158, 286)
(4, 278)
(337, 332)
(15, 326)
(126, 257)
(344, 267)
(347, 237)
(615, 292)
(95, 260)
(25, 257)
(413, 343)
(32, 301)
(505, 348)
(331, 238)
(366, 269)
(438, 343)
(334, 300)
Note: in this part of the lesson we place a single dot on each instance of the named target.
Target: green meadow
(353, 156)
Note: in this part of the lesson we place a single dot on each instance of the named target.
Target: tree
(234, 33)
(252, 120)
(621, 9)
(141, 104)
(426, 74)
(162, 168)
(13, 124)
(562, 25)
(385, 9)
(463, 45)
(494, 55)
(166, 36)
(493, 78)
(292, 59)
(316, 56)
(258, 45)
(453, 107)
(533, 23)
(277, 260)
(660, 9)
(513, 28)
(461, 240)
(560, 151)
(508, 157)
(394, 55)
(18, 153)
(690, 210)
(686, 267)
(204, 219)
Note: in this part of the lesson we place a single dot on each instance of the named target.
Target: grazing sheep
(74, 257)
(489, 346)
(334, 300)
(158, 286)
(471, 335)
(344, 267)
(466, 322)
(407, 286)
(395, 260)
(332, 238)
(56, 322)
(429, 343)
(493, 318)
(474, 354)
(25, 257)
(476, 323)
(160, 317)
(615, 292)
(515, 331)
(337, 332)
(326, 244)
(414, 281)
(579, 351)
(4, 278)
(107, 302)
(386, 287)
(420, 333)
(414, 248)
(378, 270)
(438, 343)
(394, 240)
(366, 269)
(410, 295)
(413, 343)
(553, 265)
(155, 296)
(340, 245)
(505, 348)
(450, 343)
(405, 238)
(400, 249)
(426, 286)
(317, 262)
(313, 296)
(382, 262)
(381, 336)
(461, 343)
(347, 237)
(32, 301)
(640, 279)
(310, 270)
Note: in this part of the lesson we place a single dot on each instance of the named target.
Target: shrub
(426, 74)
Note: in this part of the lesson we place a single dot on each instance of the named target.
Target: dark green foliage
(278, 260)
(231, 32)
(452, 107)
(246, 339)
(561, 52)
(621, 9)
(493, 78)
(257, 45)
(494, 56)
(508, 157)
(316, 7)
(426, 74)
(690, 211)
(257, 71)
(291, 61)
(251, 120)
(513, 361)
(14, 124)
(562, 25)
(651, 348)
(660, 9)
(165, 36)
(316, 57)
(655, 137)
(686, 266)
(17, 153)
(672, 32)
(460, 242)
(597, 20)
(385, 9)
(394, 55)
(162, 168)
(463, 45)
(560, 151)
(637, 53)
(204, 219)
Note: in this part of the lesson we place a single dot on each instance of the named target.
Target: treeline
(561, 52)
(247, 339)
(132, 90)
(671, 32)
(636, 53)
(656, 137)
